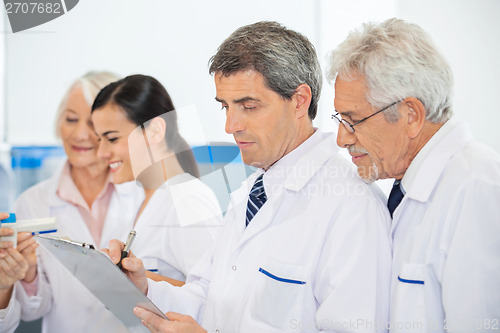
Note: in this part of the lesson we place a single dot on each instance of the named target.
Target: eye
(71, 120)
(249, 108)
(112, 139)
(224, 107)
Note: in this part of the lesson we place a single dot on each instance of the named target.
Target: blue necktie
(395, 197)
(256, 199)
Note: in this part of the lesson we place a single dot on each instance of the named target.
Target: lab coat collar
(294, 170)
(291, 173)
(426, 168)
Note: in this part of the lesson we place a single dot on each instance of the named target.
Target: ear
(302, 99)
(415, 116)
(156, 130)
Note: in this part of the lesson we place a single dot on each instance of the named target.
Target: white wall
(173, 40)
(468, 34)
(170, 40)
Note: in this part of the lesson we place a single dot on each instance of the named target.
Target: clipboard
(102, 278)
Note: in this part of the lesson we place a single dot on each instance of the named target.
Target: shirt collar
(424, 171)
(67, 190)
(297, 167)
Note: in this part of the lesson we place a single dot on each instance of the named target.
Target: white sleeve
(471, 276)
(35, 307)
(190, 298)
(11, 315)
(352, 285)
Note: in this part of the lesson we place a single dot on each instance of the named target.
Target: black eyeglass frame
(350, 127)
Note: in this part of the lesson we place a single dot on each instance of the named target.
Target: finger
(6, 232)
(12, 266)
(6, 244)
(18, 257)
(3, 253)
(22, 236)
(115, 250)
(132, 265)
(30, 250)
(25, 244)
(152, 321)
(174, 316)
(3, 216)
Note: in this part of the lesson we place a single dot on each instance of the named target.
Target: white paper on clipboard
(102, 278)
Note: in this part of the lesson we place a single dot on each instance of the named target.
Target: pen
(126, 249)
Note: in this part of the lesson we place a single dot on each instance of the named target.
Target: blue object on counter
(10, 219)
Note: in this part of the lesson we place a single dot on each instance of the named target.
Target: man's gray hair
(397, 59)
(285, 58)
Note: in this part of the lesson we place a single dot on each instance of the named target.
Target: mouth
(357, 158)
(244, 144)
(79, 149)
(113, 166)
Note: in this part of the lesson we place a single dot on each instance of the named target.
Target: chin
(368, 176)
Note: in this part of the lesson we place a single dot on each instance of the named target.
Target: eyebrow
(108, 132)
(345, 113)
(238, 101)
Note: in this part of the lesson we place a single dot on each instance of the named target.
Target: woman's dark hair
(142, 98)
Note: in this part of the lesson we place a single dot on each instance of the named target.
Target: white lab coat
(65, 304)
(9, 317)
(322, 229)
(446, 232)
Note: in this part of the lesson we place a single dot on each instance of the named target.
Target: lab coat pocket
(408, 308)
(279, 293)
(151, 264)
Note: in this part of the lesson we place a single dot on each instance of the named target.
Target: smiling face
(379, 148)
(113, 127)
(264, 125)
(77, 132)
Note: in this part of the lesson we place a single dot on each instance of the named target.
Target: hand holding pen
(132, 266)
(126, 249)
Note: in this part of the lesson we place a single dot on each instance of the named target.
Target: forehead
(350, 95)
(110, 117)
(248, 83)
(76, 101)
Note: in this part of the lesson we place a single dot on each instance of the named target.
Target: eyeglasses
(350, 127)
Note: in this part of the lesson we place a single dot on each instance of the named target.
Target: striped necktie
(256, 199)
(395, 197)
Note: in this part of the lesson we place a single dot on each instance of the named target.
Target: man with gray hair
(393, 100)
(305, 247)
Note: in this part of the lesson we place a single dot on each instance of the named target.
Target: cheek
(65, 131)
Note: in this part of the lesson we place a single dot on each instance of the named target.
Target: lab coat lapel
(430, 170)
(263, 218)
(123, 208)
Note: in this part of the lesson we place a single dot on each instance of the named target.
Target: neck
(416, 145)
(304, 133)
(159, 172)
(89, 180)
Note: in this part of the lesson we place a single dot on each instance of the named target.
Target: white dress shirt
(315, 257)
(446, 234)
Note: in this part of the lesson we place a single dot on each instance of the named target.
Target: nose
(344, 138)
(234, 123)
(102, 152)
(82, 131)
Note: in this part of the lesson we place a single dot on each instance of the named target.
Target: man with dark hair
(305, 245)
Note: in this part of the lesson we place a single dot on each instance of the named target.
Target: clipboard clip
(69, 241)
